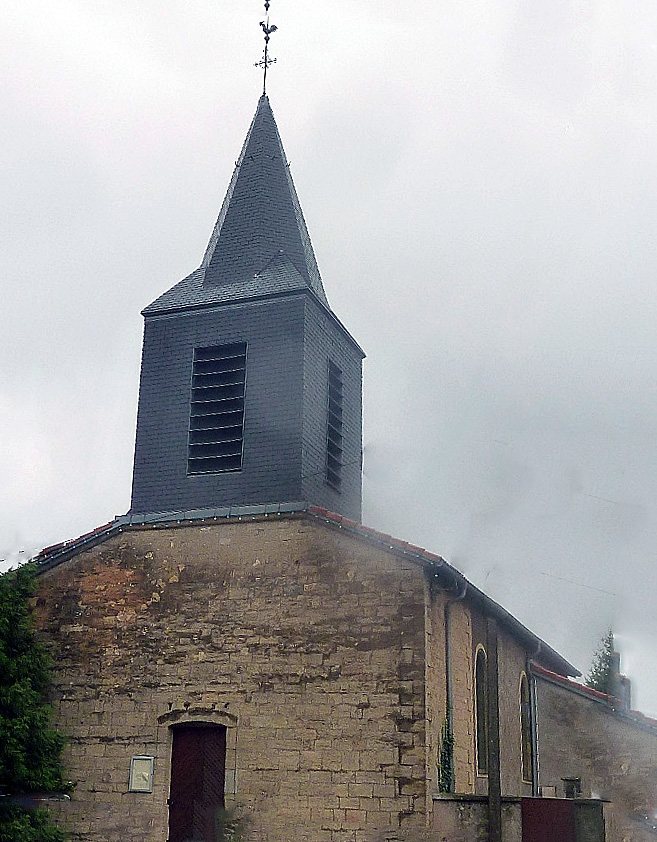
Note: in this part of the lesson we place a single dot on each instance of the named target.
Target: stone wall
(322, 654)
(306, 644)
(465, 819)
(462, 696)
(467, 630)
(512, 665)
(435, 688)
(614, 755)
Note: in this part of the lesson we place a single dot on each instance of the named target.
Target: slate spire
(260, 244)
(261, 219)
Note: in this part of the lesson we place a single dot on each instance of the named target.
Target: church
(238, 644)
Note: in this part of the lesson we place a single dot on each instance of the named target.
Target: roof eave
(437, 564)
(147, 313)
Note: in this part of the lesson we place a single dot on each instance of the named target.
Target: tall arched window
(481, 711)
(525, 731)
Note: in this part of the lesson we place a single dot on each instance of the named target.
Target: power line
(579, 584)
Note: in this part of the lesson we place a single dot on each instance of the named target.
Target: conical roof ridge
(261, 218)
(260, 243)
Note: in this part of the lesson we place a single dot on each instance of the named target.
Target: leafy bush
(18, 825)
(30, 750)
(229, 825)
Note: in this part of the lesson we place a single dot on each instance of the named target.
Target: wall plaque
(141, 773)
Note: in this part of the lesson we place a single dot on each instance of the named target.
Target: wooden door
(198, 771)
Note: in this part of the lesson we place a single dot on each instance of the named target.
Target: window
(216, 422)
(334, 428)
(481, 711)
(525, 730)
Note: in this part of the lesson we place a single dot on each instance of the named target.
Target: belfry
(250, 385)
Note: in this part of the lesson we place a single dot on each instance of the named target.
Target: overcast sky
(480, 183)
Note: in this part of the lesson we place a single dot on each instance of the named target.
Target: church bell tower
(250, 388)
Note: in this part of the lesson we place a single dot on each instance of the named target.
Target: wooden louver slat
(216, 418)
(334, 428)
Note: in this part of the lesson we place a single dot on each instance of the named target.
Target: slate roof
(450, 576)
(260, 244)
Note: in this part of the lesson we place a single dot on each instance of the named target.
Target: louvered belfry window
(334, 428)
(216, 424)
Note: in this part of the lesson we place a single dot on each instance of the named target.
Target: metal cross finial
(265, 62)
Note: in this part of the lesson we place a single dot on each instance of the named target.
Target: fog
(480, 184)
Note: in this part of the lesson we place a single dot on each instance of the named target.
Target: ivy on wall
(30, 750)
(446, 755)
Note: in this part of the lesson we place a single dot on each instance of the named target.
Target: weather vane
(265, 61)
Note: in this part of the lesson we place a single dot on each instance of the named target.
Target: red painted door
(198, 769)
(548, 820)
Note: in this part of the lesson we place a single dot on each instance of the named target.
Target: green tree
(30, 750)
(599, 677)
